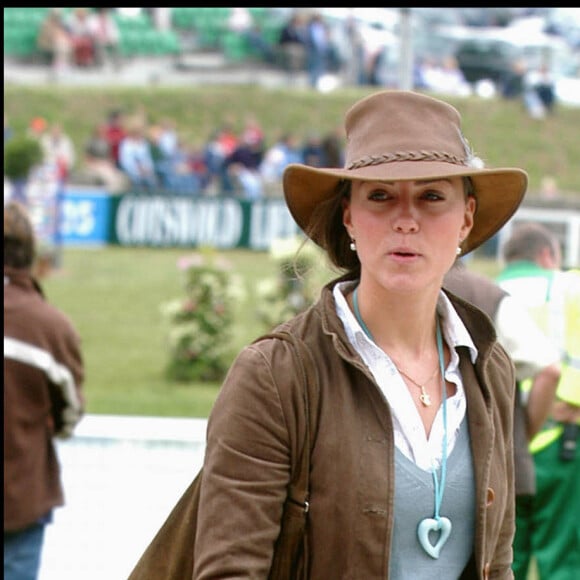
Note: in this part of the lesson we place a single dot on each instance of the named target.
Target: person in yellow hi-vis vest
(548, 529)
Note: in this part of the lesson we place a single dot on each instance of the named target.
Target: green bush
(296, 285)
(199, 323)
(21, 154)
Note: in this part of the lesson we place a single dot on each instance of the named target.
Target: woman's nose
(405, 222)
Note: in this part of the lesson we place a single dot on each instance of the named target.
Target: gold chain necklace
(424, 396)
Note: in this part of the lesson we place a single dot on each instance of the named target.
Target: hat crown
(403, 125)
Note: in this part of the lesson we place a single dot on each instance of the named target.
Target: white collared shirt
(409, 432)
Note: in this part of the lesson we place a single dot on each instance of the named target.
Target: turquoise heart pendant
(427, 525)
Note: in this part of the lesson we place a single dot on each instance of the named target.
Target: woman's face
(407, 232)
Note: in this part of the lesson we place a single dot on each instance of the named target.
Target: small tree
(21, 155)
(199, 324)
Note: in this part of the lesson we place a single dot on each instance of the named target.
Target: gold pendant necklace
(424, 396)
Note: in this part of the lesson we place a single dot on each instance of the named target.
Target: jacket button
(490, 496)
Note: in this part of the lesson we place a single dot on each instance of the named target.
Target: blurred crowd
(128, 151)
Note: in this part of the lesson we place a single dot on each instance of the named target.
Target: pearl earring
(458, 250)
(352, 246)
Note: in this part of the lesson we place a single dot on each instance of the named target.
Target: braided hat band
(369, 160)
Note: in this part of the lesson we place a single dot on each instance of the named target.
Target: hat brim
(499, 192)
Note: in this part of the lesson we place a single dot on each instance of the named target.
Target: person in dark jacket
(43, 399)
(292, 43)
(411, 469)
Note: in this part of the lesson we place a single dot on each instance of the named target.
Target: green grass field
(113, 295)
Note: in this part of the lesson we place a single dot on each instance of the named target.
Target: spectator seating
(138, 35)
(211, 28)
(21, 27)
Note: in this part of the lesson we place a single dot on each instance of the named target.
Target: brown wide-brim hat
(403, 135)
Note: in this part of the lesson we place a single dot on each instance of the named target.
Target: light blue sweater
(415, 500)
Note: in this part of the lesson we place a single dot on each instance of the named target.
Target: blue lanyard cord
(440, 488)
(358, 316)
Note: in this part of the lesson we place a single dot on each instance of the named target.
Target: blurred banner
(91, 216)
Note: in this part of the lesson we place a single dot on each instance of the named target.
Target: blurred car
(486, 59)
(492, 54)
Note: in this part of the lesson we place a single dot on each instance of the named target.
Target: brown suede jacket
(253, 432)
(43, 375)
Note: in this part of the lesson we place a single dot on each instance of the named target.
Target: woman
(411, 469)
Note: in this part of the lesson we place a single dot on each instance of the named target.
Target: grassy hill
(500, 131)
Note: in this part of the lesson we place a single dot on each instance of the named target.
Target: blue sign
(85, 216)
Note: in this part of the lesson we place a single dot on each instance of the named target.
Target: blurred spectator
(513, 84)
(242, 169)
(37, 127)
(292, 43)
(332, 149)
(549, 187)
(318, 49)
(54, 41)
(81, 35)
(114, 133)
(375, 72)
(354, 52)
(97, 145)
(135, 156)
(252, 131)
(172, 163)
(220, 145)
(167, 138)
(284, 151)
(197, 163)
(43, 398)
(227, 138)
(445, 77)
(97, 167)
(541, 82)
(242, 22)
(213, 159)
(59, 151)
(153, 133)
(536, 359)
(547, 528)
(106, 37)
(312, 152)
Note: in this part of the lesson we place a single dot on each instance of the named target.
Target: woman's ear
(346, 217)
(470, 207)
